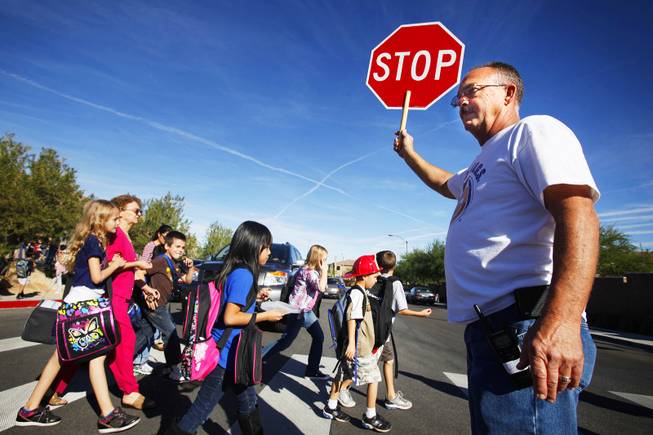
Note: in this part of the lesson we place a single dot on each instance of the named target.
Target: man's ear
(511, 94)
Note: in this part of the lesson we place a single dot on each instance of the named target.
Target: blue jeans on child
(296, 322)
(496, 406)
(160, 319)
(210, 394)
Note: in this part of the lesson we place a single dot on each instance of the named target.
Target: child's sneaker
(345, 398)
(41, 416)
(117, 421)
(143, 369)
(377, 423)
(399, 402)
(317, 375)
(335, 414)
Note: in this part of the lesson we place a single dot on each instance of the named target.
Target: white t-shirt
(501, 235)
(357, 298)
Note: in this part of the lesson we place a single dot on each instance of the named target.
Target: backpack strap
(173, 271)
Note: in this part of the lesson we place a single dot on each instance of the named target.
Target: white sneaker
(399, 402)
(345, 398)
(143, 369)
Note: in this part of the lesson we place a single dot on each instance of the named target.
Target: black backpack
(381, 306)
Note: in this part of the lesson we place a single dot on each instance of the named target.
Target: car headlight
(275, 279)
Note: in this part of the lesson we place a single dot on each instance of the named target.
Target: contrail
(626, 212)
(169, 129)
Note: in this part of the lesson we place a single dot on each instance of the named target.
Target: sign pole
(404, 112)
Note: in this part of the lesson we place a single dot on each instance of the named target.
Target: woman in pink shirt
(121, 361)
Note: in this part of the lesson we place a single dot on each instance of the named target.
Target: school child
(162, 279)
(24, 268)
(248, 251)
(87, 253)
(310, 281)
(359, 363)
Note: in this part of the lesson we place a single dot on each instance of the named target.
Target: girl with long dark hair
(248, 251)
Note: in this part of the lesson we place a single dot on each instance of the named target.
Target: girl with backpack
(248, 251)
(87, 253)
(310, 282)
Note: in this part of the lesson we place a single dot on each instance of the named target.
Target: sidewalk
(10, 301)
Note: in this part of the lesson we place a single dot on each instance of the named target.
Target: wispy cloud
(623, 227)
(639, 232)
(627, 218)
(169, 129)
(626, 212)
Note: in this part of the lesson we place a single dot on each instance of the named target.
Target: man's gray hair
(507, 74)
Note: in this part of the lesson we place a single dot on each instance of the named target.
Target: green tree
(40, 195)
(217, 236)
(619, 256)
(169, 210)
(423, 266)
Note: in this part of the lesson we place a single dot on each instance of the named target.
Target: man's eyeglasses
(137, 212)
(469, 91)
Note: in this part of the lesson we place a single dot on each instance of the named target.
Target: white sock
(332, 404)
(370, 412)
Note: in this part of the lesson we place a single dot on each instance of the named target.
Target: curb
(600, 335)
(31, 303)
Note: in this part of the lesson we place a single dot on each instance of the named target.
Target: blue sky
(259, 109)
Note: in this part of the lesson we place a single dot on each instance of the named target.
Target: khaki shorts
(388, 352)
(367, 369)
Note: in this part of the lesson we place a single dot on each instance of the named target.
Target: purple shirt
(306, 289)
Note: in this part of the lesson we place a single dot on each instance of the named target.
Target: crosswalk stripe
(639, 399)
(13, 343)
(290, 399)
(14, 398)
(459, 380)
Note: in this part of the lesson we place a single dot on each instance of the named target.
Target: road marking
(459, 380)
(14, 398)
(293, 402)
(14, 343)
(639, 399)
(633, 338)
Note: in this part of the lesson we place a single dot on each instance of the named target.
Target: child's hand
(275, 315)
(350, 352)
(263, 294)
(426, 312)
(139, 275)
(117, 261)
(188, 262)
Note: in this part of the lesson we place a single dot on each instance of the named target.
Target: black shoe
(117, 421)
(377, 423)
(250, 424)
(317, 375)
(174, 429)
(20, 296)
(335, 414)
(41, 416)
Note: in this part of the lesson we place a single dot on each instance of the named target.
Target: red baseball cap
(364, 265)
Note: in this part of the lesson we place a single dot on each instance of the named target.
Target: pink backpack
(202, 353)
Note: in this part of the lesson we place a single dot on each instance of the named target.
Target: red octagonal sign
(424, 58)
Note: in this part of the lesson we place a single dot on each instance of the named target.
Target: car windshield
(279, 254)
(422, 290)
(332, 280)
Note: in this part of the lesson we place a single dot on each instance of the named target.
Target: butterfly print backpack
(86, 330)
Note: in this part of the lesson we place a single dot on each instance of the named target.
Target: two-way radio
(506, 347)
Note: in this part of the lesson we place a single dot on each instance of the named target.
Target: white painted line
(14, 398)
(13, 343)
(293, 402)
(459, 380)
(640, 399)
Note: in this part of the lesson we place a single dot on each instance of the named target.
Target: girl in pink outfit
(121, 361)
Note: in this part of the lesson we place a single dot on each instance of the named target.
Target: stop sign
(424, 58)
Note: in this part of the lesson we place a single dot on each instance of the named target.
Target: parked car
(420, 295)
(334, 286)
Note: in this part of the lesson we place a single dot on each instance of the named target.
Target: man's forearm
(434, 177)
(575, 256)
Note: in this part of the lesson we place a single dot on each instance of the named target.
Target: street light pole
(399, 237)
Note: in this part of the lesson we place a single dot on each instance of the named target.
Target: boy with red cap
(359, 363)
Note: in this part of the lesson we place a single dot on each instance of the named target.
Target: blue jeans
(309, 321)
(159, 319)
(496, 406)
(210, 394)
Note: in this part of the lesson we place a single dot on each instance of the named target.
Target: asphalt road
(431, 365)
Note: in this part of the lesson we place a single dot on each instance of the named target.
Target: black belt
(530, 300)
